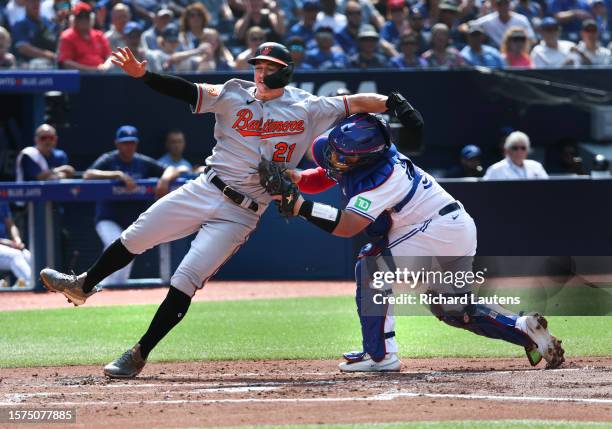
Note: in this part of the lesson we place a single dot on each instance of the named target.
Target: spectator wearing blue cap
(126, 165)
(169, 57)
(326, 56)
(552, 52)
(570, 14)
(469, 163)
(476, 53)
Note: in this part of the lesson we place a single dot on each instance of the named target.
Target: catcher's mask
(279, 54)
(356, 141)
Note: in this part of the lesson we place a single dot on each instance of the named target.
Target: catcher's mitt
(273, 179)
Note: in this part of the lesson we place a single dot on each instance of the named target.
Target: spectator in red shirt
(81, 47)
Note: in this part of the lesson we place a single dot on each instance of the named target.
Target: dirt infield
(300, 392)
(284, 392)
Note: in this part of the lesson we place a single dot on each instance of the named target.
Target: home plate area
(235, 393)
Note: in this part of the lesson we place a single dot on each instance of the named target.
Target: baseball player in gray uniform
(265, 118)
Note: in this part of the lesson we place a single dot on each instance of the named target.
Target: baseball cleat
(365, 364)
(70, 285)
(549, 347)
(128, 365)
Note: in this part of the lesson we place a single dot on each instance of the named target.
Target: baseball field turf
(304, 328)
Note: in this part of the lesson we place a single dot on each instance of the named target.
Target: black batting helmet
(279, 54)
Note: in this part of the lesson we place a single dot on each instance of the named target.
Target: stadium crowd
(205, 35)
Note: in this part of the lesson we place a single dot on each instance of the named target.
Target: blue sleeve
(385, 32)
(102, 163)
(20, 32)
(30, 168)
(60, 157)
(153, 168)
(557, 6)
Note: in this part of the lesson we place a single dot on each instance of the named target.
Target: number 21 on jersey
(283, 152)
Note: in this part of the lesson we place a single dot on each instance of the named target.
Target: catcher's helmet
(279, 54)
(356, 141)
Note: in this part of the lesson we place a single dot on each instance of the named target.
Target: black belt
(229, 192)
(449, 208)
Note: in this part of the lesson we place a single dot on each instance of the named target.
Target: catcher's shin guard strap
(325, 217)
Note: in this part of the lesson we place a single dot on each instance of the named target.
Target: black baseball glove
(409, 117)
(273, 179)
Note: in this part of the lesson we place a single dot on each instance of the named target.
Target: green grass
(307, 328)
(462, 424)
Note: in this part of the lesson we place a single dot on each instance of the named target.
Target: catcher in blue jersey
(410, 215)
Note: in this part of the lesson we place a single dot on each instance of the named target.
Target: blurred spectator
(297, 49)
(192, 26)
(169, 58)
(477, 54)
(163, 17)
(7, 60)
(368, 55)
(515, 48)
(469, 10)
(599, 10)
(82, 47)
(126, 165)
(409, 57)
(329, 16)
(552, 52)
(531, 9)
(589, 52)
(35, 38)
(219, 12)
(397, 22)
(175, 146)
(448, 13)
(469, 163)
(14, 11)
(441, 54)
(347, 37)
(272, 22)
(570, 14)
(324, 56)
(369, 13)
(58, 12)
(103, 10)
(417, 26)
(215, 56)
(13, 254)
(565, 159)
(291, 10)
(515, 165)
(120, 16)
(495, 24)
(255, 37)
(43, 161)
(306, 27)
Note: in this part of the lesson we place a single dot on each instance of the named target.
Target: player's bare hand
(162, 188)
(124, 59)
(294, 175)
(130, 184)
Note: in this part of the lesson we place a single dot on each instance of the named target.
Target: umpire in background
(126, 165)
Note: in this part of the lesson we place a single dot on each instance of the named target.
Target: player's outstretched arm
(172, 86)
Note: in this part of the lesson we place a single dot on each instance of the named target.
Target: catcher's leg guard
(377, 327)
(487, 321)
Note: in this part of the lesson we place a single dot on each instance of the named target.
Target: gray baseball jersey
(246, 129)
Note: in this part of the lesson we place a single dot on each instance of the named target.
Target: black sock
(115, 257)
(168, 315)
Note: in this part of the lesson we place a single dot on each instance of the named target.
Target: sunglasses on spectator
(46, 137)
(518, 39)
(256, 38)
(590, 30)
(517, 148)
(353, 12)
